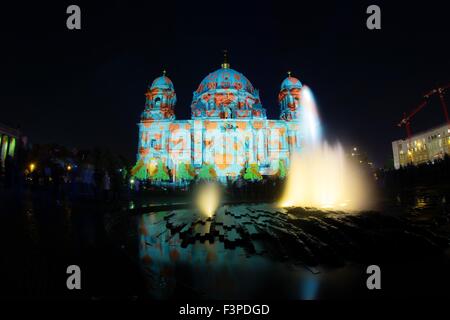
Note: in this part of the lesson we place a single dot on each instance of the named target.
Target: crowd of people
(75, 182)
(425, 174)
(69, 176)
(62, 179)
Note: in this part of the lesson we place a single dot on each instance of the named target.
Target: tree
(207, 172)
(243, 169)
(252, 173)
(184, 172)
(161, 172)
(281, 169)
(139, 171)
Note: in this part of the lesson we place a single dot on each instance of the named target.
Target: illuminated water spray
(320, 175)
(207, 198)
(310, 128)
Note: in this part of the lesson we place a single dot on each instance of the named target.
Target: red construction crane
(406, 120)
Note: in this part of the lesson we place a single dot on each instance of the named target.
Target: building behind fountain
(228, 127)
(424, 147)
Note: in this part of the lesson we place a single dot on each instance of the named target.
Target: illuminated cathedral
(228, 130)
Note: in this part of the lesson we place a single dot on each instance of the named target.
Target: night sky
(86, 88)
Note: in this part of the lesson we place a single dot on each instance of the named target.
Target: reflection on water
(207, 270)
(309, 288)
(422, 203)
(202, 270)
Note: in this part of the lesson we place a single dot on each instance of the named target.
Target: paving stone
(303, 235)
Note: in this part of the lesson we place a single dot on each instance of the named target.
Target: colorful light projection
(12, 146)
(229, 135)
(4, 142)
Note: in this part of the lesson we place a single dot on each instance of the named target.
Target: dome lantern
(225, 64)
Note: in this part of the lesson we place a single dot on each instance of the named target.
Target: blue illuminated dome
(289, 98)
(162, 82)
(226, 94)
(291, 83)
(225, 78)
(160, 100)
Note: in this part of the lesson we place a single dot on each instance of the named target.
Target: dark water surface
(210, 268)
(142, 252)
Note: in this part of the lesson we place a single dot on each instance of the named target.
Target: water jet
(320, 174)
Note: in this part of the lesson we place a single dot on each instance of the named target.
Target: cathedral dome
(289, 98)
(226, 93)
(162, 82)
(225, 78)
(160, 99)
(291, 83)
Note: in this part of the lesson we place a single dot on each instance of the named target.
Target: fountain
(320, 174)
(306, 245)
(207, 198)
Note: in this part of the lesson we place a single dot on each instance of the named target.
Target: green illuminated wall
(12, 147)
(4, 148)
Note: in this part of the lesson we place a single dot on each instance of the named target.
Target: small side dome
(289, 98)
(291, 83)
(160, 100)
(162, 82)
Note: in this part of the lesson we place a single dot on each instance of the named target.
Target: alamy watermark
(374, 20)
(74, 280)
(374, 280)
(73, 22)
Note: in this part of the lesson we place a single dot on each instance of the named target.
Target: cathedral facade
(228, 128)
